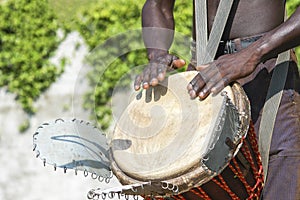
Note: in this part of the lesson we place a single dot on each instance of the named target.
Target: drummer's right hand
(155, 71)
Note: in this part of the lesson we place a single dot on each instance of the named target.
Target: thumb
(178, 63)
(201, 67)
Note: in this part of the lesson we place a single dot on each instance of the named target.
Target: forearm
(284, 37)
(158, 26)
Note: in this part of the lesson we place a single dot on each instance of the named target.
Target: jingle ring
(100, 178)
(165, 187)
(85, 173)
(94, 176)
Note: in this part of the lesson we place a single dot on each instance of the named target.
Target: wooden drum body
(175, 143)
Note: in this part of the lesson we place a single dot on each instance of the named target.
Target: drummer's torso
(249, 17)
(254, 17)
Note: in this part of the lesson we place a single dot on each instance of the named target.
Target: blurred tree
(291, 7)
(28, 31)
(67, 11)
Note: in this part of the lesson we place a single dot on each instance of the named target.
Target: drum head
(163, 133)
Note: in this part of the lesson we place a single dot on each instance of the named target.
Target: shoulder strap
(201, 28)
(206, 51)
(271, 107)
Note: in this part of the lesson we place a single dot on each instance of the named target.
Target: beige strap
(206, 53)
(217, 30)
(201, 28)
(271, 107)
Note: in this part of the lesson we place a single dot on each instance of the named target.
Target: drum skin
(163, 135)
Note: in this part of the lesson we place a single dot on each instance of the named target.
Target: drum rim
(199, 174)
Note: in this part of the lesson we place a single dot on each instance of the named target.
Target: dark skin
(251, 18)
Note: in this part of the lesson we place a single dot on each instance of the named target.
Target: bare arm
(158, 26)
(158, 33)
(284, 37)
(239, 65)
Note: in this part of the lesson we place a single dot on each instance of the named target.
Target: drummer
(255, 34)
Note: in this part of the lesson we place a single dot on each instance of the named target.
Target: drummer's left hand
(213, 77)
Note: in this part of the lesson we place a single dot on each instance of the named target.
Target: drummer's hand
(155, 71)
(213, 77)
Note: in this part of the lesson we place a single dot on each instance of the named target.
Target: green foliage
(109, 18)
(291, 7)
(67, 11)
(183, 14)
(24, 126)
(27, 39)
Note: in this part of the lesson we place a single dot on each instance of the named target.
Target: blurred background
(48, 70)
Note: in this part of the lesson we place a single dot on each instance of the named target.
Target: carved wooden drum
(183, 147)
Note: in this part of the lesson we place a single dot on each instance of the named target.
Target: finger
(193, 82)
(205, 91)
(196, 85)
(178, 63)
(213, 81)
(220, 86)
(153, 74)
(204, 94)
(192, 94)
(137, 82)
(201, 67)
(146, 78)
(161, 71)
(145, 85)
(154, 82)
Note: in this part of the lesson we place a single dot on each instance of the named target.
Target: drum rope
(222, 183)
(257, 171)
(152, 198)
(238, 172)
(258, 174)
(254, 144)
(202, 194)
(178, 197)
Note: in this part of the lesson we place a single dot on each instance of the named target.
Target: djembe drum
(187, 148)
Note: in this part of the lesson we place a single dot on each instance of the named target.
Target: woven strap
(206, 51)
(201, 28)
(271, 107)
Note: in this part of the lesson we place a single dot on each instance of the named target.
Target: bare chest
(249, 17)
